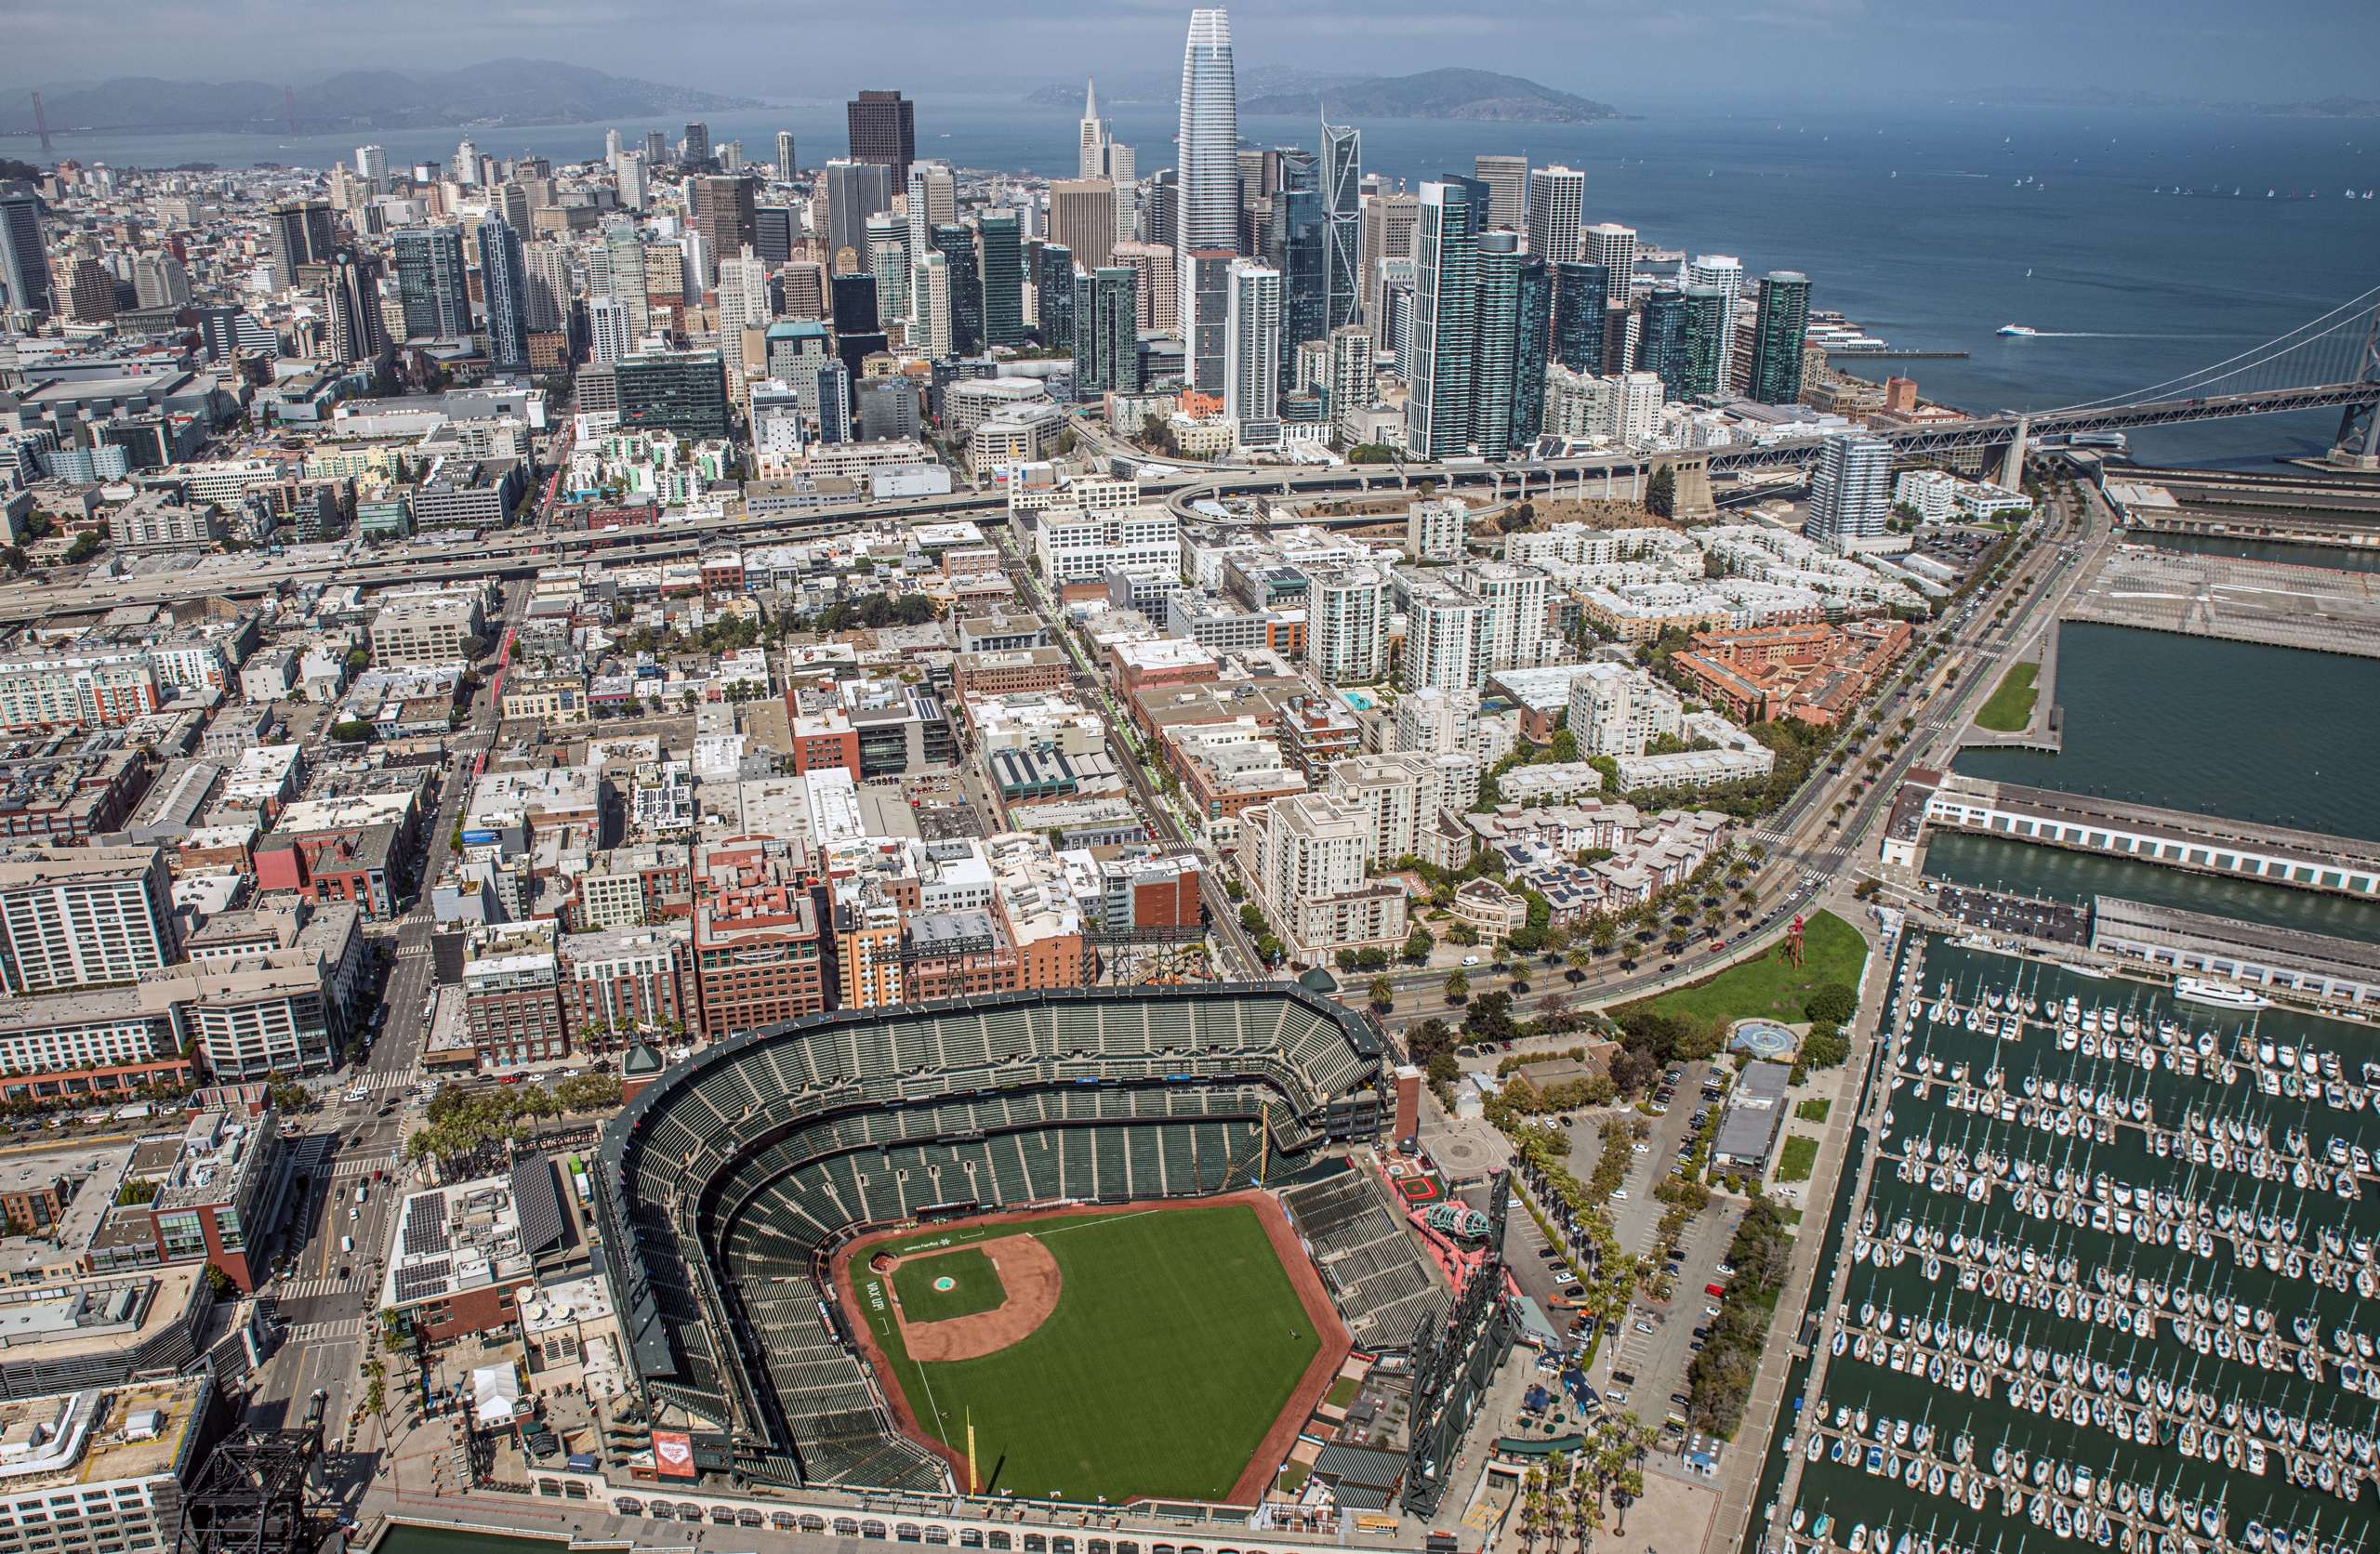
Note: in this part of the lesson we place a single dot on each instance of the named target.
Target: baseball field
(1142, 1352)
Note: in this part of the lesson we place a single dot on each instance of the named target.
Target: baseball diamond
(745, 1194)
(1186, 1345)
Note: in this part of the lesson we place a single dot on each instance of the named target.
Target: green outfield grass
(1176, 1342)
(974, 1285)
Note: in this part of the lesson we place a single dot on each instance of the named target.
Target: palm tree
(1384, 993)
(1581, 960)
(1457, 987)
(1711, 918)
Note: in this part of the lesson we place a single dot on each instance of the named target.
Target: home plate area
(965, 1302)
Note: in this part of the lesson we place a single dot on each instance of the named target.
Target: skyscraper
(299, 233)
(785, 162)
(1723, 273)
(773, 233)
(929, 294)
(1106, 343)
(1206, 166)
(159, 281)
(1298, 244)
(548, 265)
(1662, 343)
(1342, 178)
(1090, 157)
(888, 247)
(855, 190)
(1556, 195)
(1385, 232)
(1438, 418)
(1777, 335)
(607, 330)
(372, 166)
(743, 303)
(956, 246)
(1851, 492)
(884, 130)
(1495, 335)
(24, 256)
(623, 275)
(1613, 246)
(352, 299)
(1205, 285)
(723, 216)
(1253, 344)
(695, 150)
(1352, 377)
(1530, 345)
(504, 282)
(434, 286)
(656, 148)
(1120, 172)
(1002, 258)
(1053, 285)
(1580, 292)
(1710, 325)
(1083, 216)
(1507, 181)
(628, 178)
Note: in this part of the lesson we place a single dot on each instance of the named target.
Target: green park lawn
(1176, 1342)
(2011, 708)
(1831, 951)
(1814, 1110)
(973, 1286)
(1801, 1158)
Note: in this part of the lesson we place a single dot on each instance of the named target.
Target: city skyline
(1813, 51)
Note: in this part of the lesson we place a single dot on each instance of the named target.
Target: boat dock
(2176, 838)
(2273, 603)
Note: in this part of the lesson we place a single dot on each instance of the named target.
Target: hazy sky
(1619, 50)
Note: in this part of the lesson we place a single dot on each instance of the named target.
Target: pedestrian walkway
(310, 1288)
(363, 1164)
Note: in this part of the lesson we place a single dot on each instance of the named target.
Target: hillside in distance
(498, 93)
(1437, 94)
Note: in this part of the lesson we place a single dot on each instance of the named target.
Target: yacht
(2024, 331)
(2221, 995)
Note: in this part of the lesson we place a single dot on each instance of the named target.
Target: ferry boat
(2222, 995)
(2022, 330)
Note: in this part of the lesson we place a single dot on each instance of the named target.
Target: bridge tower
(2359, 443)
(41, 125)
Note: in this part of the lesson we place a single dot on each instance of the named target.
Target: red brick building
(759, 947)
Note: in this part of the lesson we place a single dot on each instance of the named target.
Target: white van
(347, 1243)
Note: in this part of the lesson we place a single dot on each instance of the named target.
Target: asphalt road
(328, 1300)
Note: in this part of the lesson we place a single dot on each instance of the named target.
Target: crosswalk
(413, 952)
(308, 1288)
(326, 1332)
(379, 1081)
(363, 1164)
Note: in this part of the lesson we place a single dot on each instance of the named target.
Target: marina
(2111, 1281)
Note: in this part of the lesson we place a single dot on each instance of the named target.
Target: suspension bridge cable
(2326, 325)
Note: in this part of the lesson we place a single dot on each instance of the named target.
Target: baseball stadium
(1096, 1245)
